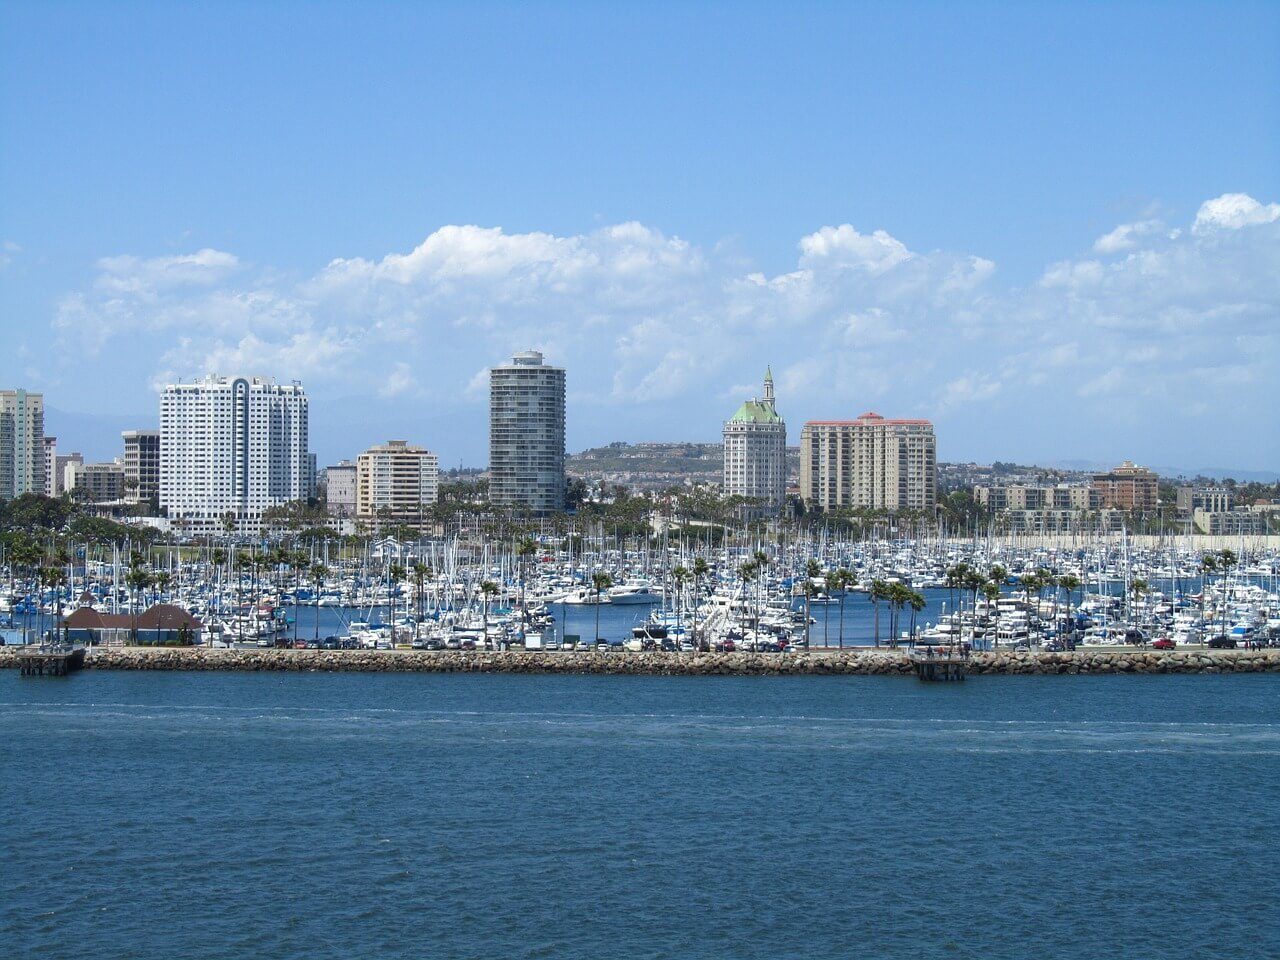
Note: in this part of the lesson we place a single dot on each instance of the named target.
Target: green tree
(600, 582)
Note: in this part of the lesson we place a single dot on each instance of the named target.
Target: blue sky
(1053, 228)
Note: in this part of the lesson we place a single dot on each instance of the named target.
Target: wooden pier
(943, 665)
(50, 661)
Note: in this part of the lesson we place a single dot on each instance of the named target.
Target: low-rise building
(1062, 496)
(96, 482)
(1209, 499)
(1228, 523)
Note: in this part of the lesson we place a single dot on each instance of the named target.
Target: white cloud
(1231, 211)
(658, 334)
(1126, 236)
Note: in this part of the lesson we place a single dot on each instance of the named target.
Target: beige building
(95, 482)
(396, 481)
(870, 462)
(1062, 496)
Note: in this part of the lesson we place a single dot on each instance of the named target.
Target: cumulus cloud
(1231, 211)
(658, 334)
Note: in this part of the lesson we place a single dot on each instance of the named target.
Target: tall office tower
(21, 443)
(755, 450)
(141, 465)
(397, 482)
(232, 446)
(50, 466)
(526, 434)
(869, 462)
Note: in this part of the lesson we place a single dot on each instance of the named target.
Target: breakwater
(846, 662)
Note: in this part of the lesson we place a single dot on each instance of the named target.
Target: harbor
(573, 593)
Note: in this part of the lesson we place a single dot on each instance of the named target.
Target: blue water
(314, 816)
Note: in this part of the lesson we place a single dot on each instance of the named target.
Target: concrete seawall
(848, 662)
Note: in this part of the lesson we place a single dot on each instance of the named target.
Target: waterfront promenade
(877, 662)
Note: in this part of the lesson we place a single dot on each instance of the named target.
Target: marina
(576, 593)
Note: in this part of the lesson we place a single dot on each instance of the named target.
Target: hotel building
(232, 446)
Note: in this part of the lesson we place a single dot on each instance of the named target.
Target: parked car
(1163, 643)
(1222, 642)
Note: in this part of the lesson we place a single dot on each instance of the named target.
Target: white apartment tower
(232, 446)
(755, 450)
(398, 482)
(526, 434)
(870, 463)
(22, 452)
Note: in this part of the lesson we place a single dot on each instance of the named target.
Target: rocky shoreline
(847, 662)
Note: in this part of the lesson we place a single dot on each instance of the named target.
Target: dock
(50, 660)
(943, 665)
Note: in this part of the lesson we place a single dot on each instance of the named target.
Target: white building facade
(755, 450)
(232, 447)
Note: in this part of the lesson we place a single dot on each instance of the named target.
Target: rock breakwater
(847, 662)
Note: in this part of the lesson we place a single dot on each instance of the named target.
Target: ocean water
(315, 816)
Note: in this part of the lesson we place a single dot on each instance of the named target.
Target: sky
(1053, 229)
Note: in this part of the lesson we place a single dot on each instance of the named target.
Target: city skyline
(1051, 258)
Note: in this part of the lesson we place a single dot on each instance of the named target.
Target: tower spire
(768, 385)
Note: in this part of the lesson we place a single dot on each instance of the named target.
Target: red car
(1164, 643)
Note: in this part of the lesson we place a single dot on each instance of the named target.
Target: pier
(50, 660)
(942, 665)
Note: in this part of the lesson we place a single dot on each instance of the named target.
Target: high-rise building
(526, 434)
(869, 462)
(21, 443)
(1128, 487)
(396, 482)
(340, 489)
(755, 450)
(232, 446)
(51, 467)
(141, 465)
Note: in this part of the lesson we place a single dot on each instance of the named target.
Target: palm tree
(700, 570)
(299, 560)
(396, 574)
(1226, 560)
(917, 602)
(1208, 566)
(879, 591)
(24, 554)
(488, 590)
(600, 582)
(747, 572)
(991, 591)
(318, 574)
(55, 577)
(1070, 583)
(680, 576)
(421, 573)
(845, 578)
(137, 579)
(528, 548)
(812, 570)
(1138, 588)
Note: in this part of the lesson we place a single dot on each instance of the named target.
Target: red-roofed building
(873, 462)
(162, 623)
